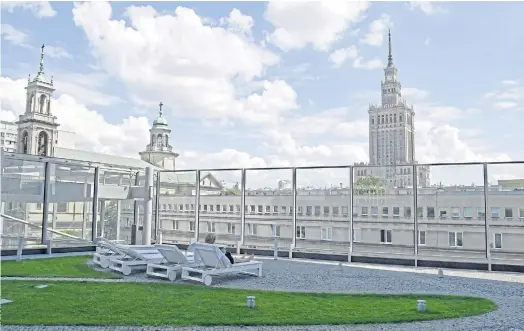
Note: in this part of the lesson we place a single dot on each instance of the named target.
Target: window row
(429, 212)
(455, 239)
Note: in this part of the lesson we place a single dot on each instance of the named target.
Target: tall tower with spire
(392, 130)
(159, 152)
(37, 127)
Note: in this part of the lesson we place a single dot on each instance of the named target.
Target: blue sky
(450, 57)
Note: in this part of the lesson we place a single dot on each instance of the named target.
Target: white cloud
(427, 42)
(317, 23)
(11, 34)
(427, 7)
(86, 88)
(40, 9)
(238, 22)
(369, 64)
(339, 56)
(377, 30)
(509, 97)
(56, 52)
(159, 57)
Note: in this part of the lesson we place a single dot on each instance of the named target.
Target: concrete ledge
(43, 250)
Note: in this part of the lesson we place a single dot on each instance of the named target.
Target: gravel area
(507, 291)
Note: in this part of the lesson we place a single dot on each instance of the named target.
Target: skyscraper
(392, 134)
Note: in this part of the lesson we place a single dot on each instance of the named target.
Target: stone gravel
(296, 275)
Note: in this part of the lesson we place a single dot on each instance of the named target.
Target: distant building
(392, 136)
(8, 136)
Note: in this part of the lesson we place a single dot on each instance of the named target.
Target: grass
(71, 266)
(84, 303)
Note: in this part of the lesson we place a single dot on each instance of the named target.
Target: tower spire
(40, 75)
(160, 105)
(390, 57)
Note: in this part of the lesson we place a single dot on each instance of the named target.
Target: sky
(257, 84)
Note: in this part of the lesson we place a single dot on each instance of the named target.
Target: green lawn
(72, 266)
(83, 303)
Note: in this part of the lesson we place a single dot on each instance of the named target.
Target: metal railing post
(294, 214)
(197, 205)
(158, 223)
(486, 224)
(242, 208)
(95, 203)
(45, 207)
(350, 213)
(415, 216)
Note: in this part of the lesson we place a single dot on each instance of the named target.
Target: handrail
(39, 226)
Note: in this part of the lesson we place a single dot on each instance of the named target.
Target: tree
(368, 185)
(232, 191)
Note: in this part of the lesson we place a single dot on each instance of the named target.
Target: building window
(455, 239)
(42, 143)
(495, 212)
(326, 233)
(238, 209)
(521, 212)
(468, 212)
(175, 225)
(364, 211)
(480, 212)
(345, 211)
(211, 227)
(335, 211)
(508, 212)
(230, 228)
(192, 207)
(39, 206)
(181, 208)
(317, 210)
(231, 208)
(455, 212)
(268, 209)
(407, 211)
(385, 236)
(497, 239)
(275, 230)
(374, 211)
(309, 210)
(61, 207)
(191, 226)
(326, 210)
(275, 209)
(357, 235)
(422, 237)
(260, 209)
(284, 209)
(431, 211)
(301, 232)
(443, 212)
(205, 208)
(396, 211)
(251, 229)
(299, 210)
(385, 211)
(187, 207)
(252, 208)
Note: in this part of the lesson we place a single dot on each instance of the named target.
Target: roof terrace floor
(505, 289)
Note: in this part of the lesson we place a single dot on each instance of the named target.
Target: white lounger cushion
(173, 261)
(213, 262)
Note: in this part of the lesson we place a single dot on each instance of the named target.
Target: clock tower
(37, 127)
(391, 88)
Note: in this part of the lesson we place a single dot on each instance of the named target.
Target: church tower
(37, 127)
(159, 152)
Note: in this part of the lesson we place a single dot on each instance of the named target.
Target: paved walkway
(506, 289)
